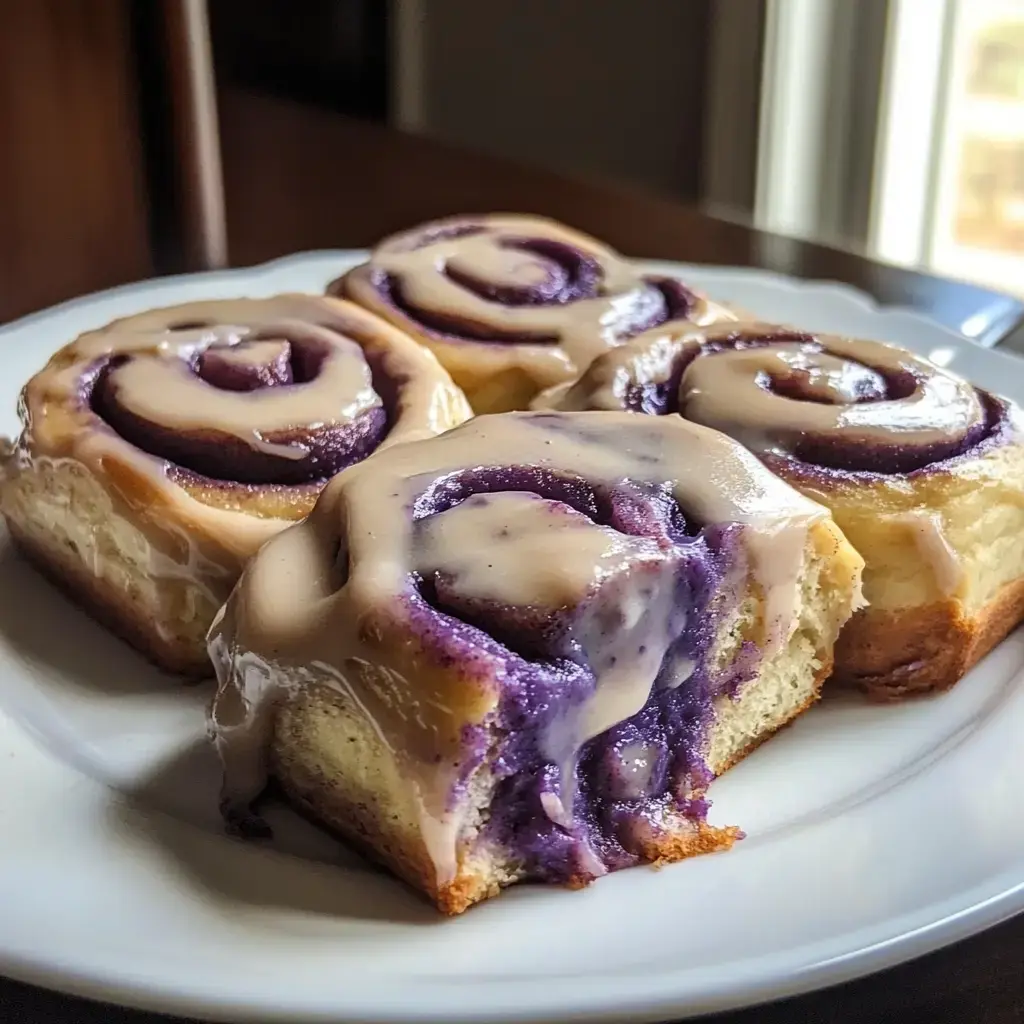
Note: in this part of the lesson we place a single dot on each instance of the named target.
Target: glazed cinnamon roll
(923, 472)
(161, 451)
(513, 304)
(522, 650)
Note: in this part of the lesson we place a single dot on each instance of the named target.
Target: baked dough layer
(64, 521)
(101, 491)
(333, 765)
(523, 649)
(944, 568)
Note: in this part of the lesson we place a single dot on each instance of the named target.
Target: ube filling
(215, 458)
(574, 277)
(1000, 427)
(832, 458)
(625, 779)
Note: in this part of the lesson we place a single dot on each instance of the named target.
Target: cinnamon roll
(513, 304)
(923, 472)
(158, 453)
(522, 650)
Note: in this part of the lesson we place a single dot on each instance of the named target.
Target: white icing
(297, 606)
(199, 540)
(729, 389)
(934, 548)
(167, 391)
(573, 333)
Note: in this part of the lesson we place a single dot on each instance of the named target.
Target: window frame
(816, 95)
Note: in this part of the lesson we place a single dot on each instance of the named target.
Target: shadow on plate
(45, 629)
(302, 869)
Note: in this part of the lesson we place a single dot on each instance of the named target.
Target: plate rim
(937, 934)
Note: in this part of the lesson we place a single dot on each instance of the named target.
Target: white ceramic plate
(874, 834)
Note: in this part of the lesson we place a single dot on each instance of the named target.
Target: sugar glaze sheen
(917, 764)
(512, 304)
(158, 453)
(432, 595)
(922, 470)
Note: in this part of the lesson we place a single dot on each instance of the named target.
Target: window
(905, 139)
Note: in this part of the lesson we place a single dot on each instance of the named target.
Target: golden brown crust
(893, 655)
(468, 888)
(116, 610)
(675, 846)
(944, 574)
(678, 841)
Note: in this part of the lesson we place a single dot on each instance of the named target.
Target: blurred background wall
(576, 86)
(894, 127)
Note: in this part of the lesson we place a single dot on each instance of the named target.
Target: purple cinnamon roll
(514, 304)
(522, 650)
(158, 453)
(923, 472)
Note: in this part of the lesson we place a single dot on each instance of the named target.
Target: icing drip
(540, 574)
(614, 598)
(929, 534)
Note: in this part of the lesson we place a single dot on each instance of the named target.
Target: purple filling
(219, 456)
(629, 508)
(675, 302)
(831, 456)
(219, 371)
(449, 326)
(662, 398)
(998, 428)
(571, 276)
(627, 778)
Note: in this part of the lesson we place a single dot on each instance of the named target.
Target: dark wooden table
(304, 179)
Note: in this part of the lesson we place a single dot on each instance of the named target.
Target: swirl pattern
(514, 304)
(160, 452)
(555, 593)
(920, 469)
(256, 396)
(795, 399)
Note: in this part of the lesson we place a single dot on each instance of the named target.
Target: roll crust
(944, 575)
(99, 492)
(479, 684)
(488, 313)
(73, 530)
(923, 472)
(892, 655)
